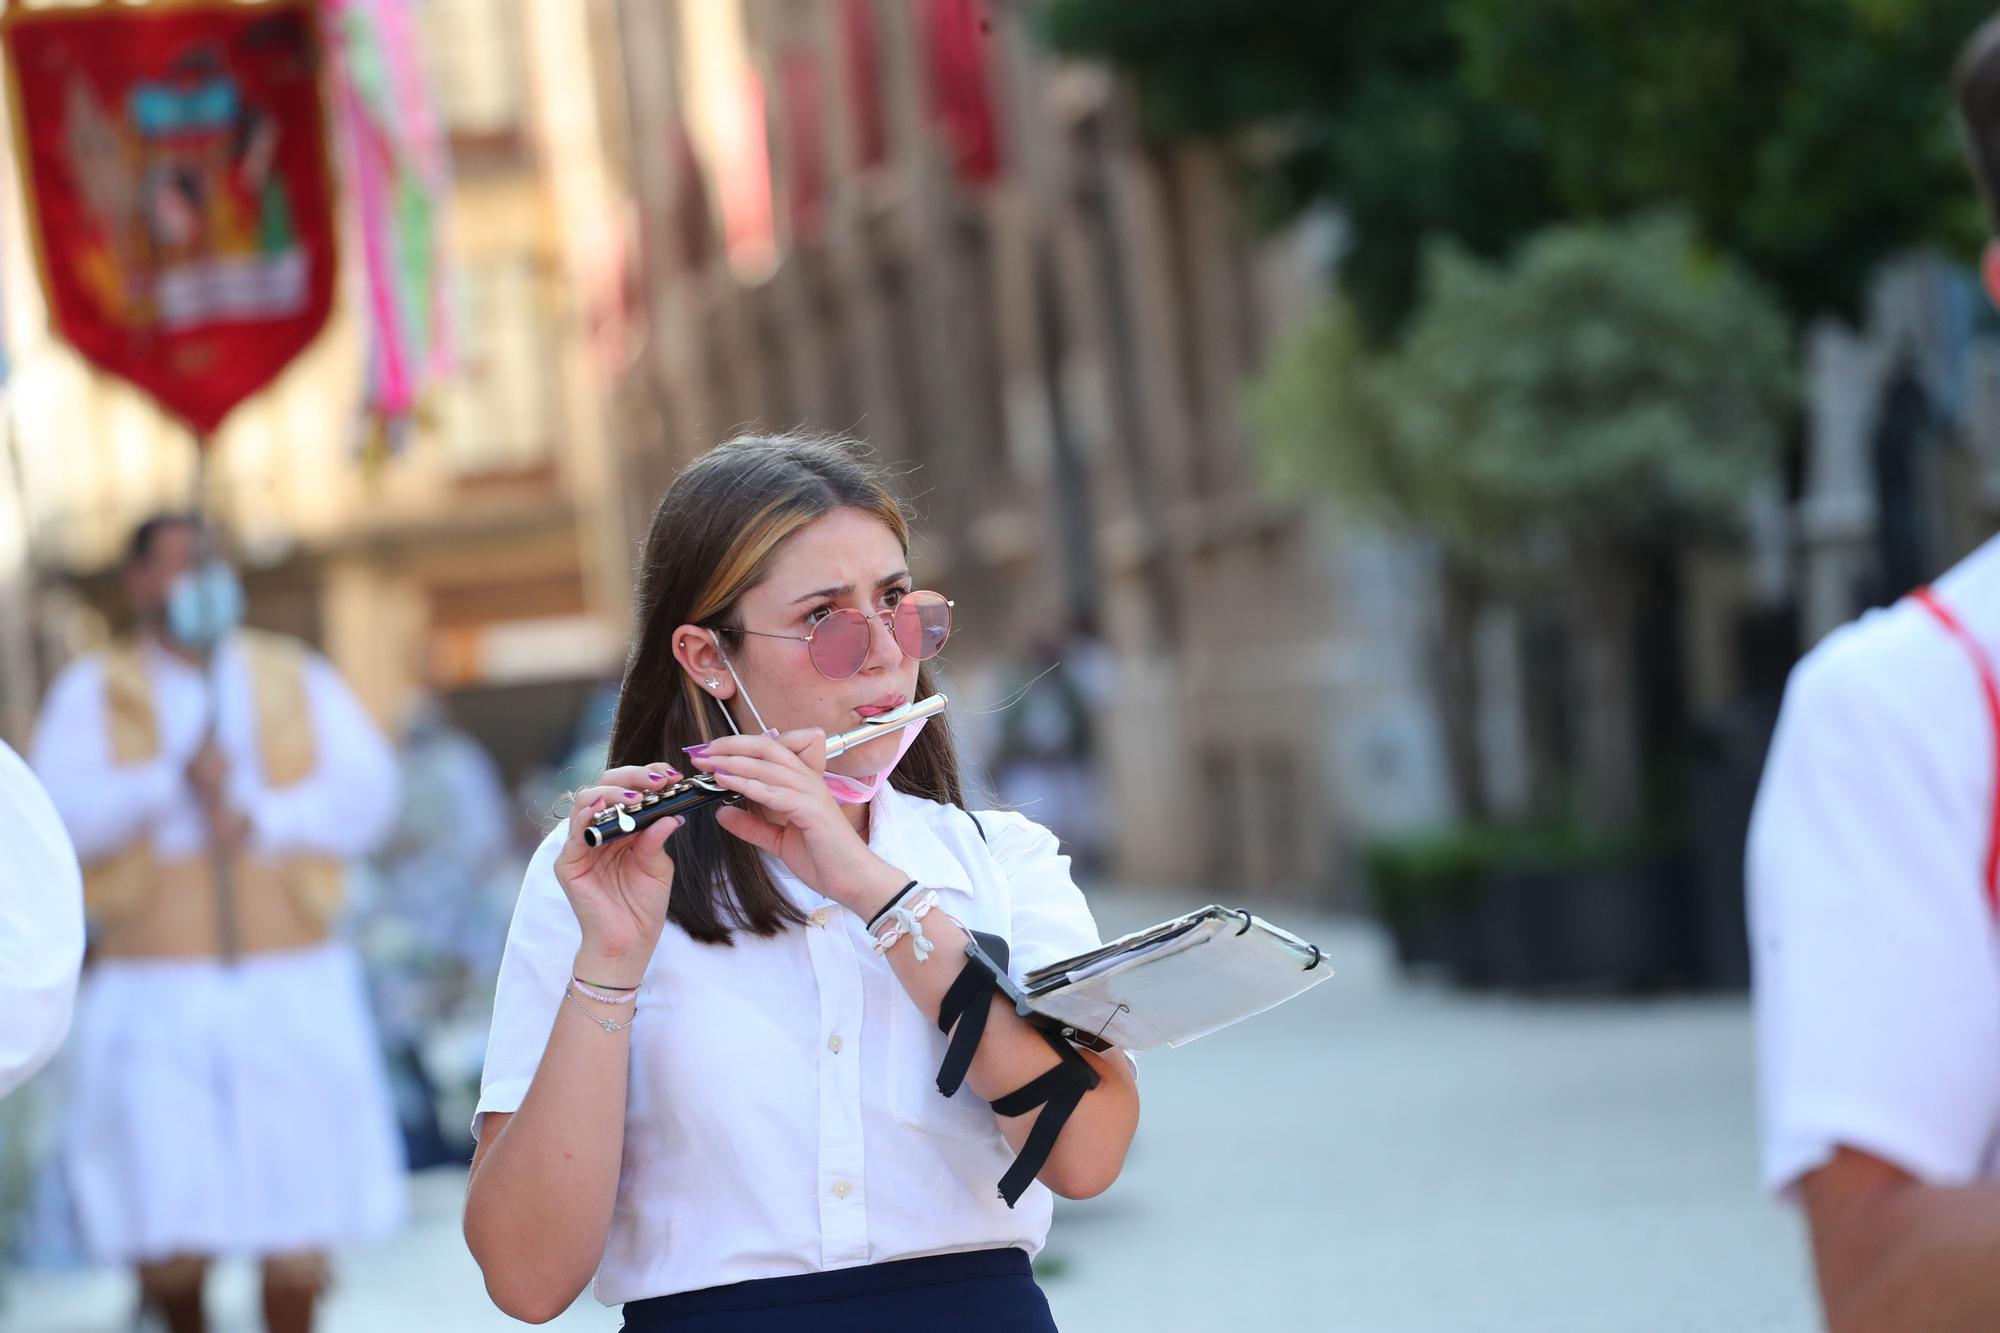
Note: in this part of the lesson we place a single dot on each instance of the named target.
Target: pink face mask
(860, 791)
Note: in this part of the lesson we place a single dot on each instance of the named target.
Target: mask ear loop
(716, 639)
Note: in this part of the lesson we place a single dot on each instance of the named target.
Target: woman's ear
(696, 651)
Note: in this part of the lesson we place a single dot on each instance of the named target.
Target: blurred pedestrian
(434, 916)
(769, 1150)
(227, 1091)
(1045, 761)
(41, 924)
(1874, 875)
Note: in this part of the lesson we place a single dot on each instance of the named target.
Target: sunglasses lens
(923, 623)
(840, 644)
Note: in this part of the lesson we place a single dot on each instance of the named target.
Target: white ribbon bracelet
(903, 921)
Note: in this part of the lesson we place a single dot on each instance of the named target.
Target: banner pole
(221, 867)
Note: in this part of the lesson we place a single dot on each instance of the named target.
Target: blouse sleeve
(541, 944)
(346, 806)
(41, 925)
(105, 806)
(1050, 920)
(1877, 1002)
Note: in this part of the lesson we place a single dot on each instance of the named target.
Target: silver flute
(702, 791)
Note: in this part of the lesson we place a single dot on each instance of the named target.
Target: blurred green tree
(1356, 100)
(1813, 138)
(1551, 420)
(1809, 137)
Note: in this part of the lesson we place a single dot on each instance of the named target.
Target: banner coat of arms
(175, 168)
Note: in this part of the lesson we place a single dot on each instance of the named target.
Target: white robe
(223, 1109)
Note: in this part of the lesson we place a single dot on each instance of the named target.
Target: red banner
(955, 37)
(178, 189)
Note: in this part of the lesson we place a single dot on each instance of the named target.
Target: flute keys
(625, 821)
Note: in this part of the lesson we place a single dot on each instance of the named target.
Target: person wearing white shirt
(41, 924)
(715, 1072)
(227, 1091)
(1876, 949)
(1874, 883)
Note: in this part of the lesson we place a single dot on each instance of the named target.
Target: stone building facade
(904, 220)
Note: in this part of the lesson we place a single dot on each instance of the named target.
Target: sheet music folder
(1171, 983)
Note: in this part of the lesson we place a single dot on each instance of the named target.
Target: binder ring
(1246, 921)
(1316, 957)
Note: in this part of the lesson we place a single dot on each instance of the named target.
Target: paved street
(1371, 1157)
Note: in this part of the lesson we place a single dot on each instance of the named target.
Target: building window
(955, 37)
(477, 66)
(804, 122)
(861, 52)
(500, 411)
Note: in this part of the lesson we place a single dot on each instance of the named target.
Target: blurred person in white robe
(227, 1095)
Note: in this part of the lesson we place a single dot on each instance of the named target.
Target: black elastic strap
(1041, 1139)
(963, 1012)
(889, 906)
(1033, 1093)
(1058, 1091)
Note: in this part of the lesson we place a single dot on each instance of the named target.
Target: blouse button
(819, 917)
(841, 1189)
(833, 1043)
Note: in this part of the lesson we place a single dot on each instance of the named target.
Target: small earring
(714, 684)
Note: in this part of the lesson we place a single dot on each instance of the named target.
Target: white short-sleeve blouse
(1877, 958)
(782, 1115)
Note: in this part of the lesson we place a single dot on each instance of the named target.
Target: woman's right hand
(619, 891)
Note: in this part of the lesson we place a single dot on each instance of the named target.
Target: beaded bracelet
(569, 993)
(623, 995)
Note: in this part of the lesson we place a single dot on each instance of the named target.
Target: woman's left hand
(790, 813)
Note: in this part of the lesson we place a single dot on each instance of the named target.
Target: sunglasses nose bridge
(886, 618)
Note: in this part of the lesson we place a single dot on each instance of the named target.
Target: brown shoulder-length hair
(713, 538)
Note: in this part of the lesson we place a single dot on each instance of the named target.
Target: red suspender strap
(1989, 683)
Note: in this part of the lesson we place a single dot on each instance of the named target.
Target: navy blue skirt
(984, 1291)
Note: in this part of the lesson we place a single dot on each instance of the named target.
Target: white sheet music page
(1169, 992)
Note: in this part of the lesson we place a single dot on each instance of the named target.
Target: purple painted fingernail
(630, 795)
(653, 775)
(720, 770)
(772, 732)
(696, 751)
